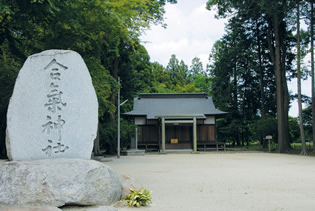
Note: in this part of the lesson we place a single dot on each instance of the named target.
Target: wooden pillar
(195, 134)
(163, 134)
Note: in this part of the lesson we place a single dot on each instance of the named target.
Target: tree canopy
(257, 50)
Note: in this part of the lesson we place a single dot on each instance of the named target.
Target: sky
(191, 32)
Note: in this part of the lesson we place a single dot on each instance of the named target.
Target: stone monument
(53, 112)
(51, 126)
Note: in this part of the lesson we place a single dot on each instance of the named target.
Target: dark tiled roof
(152, 105)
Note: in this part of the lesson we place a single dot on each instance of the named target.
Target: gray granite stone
(58, 182)
(53, 111)
(92, 208)
(129, 182)
(31, 209)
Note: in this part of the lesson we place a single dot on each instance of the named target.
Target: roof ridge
(173, 95)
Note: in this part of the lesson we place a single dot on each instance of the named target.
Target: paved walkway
(223, 181)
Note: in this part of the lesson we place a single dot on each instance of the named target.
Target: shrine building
(176, 121)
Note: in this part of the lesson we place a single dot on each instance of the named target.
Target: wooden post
(269, 138)
(195, 134)
(163, 134)
(136, 138)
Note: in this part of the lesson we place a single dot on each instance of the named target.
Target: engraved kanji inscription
(54, 105)
(48, 126)
(60, 148)
(54, 101)
(48, 149)
(58, 125)
(54, 64)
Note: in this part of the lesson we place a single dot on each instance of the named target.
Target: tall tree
(278, 48)
(162, 81)
(178, 71)
(303, 150)
(234, 81)
(312, 68)
(306, 38)
(196, 67)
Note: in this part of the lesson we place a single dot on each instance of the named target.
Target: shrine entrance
(183, 120)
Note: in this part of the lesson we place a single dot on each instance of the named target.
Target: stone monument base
(58, 182)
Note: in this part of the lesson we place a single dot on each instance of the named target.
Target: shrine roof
(154, 105)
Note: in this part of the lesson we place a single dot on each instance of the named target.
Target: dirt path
(223, 181)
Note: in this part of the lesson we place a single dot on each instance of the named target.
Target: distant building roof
(152, 105)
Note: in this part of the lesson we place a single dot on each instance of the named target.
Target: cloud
(191, 32)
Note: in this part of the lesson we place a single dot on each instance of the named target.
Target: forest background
(246, 74)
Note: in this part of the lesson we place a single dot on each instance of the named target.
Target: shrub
(140, 198)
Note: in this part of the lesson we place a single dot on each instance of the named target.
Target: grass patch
(252, 147)
(296, 147)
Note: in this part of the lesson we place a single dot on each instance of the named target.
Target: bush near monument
(138, 198)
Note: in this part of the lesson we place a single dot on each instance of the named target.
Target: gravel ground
(223, 181)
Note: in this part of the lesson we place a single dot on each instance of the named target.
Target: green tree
(196, 67)
(105, 32)
(235, 82)
(303, 150)
(178, 71)
(276, 20)
(308, 123)
(310, 18)
(260, 126)
(162, 81)
(198, 76)
(202, 82)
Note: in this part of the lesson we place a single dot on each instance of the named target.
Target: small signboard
(269, 138)
(174, 141)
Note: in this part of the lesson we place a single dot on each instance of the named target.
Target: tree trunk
(235, 103)
(96, 148)
(312, 70)
(261, 80)
(238, 140)
(114, 73)
(279, 86)
(303, 150)
(286, 101)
